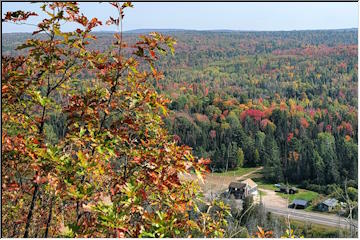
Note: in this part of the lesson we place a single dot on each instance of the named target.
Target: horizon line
(212, 30)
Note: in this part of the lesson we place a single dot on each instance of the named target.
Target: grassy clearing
(237, 173)
(265, 185)
(260, 181)
(268, 186)
(302, 194)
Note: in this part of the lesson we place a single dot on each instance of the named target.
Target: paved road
(278, 205)
(273, 203)
(328, 220)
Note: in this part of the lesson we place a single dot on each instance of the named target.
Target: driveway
(270, 199)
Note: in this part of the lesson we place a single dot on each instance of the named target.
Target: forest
(285, 100)
(97, 124)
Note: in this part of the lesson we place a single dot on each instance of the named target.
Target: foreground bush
(91, 158)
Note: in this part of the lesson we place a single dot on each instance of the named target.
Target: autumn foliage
(112, 171)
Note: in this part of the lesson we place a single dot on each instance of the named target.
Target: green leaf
(100, 150)
(40, 99)
(161, 50)
(82, 131)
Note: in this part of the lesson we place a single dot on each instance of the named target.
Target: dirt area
(270, 199)
(212, 183)
(216, 184)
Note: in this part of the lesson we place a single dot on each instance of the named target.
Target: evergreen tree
(326, 149)
(272, 168)
(259, 145)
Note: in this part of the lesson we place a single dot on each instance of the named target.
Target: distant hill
(156, 30)
(219, 41)
(165, 30)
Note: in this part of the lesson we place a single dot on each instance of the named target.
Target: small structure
(237, 189)
(328, 205)
(251, 187)
(243, 189)
(299, 204)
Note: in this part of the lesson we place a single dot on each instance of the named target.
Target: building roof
(299, 202)
(249, 182)
(237, 185)
(331, 202)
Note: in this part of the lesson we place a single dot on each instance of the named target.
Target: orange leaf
(153, 175)
(4, 89)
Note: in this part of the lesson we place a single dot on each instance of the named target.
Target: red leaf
(204, 161)
(290, 136)
(136, 160)
(152, 53)
(143, 194)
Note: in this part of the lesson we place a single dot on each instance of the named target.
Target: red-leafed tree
(253, 113)
(114, 171)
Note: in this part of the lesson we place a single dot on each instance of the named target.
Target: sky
(272, 16)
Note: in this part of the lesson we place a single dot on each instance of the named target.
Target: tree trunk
(49, 218)
(32, 205)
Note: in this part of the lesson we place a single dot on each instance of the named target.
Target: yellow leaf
(199, 175)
